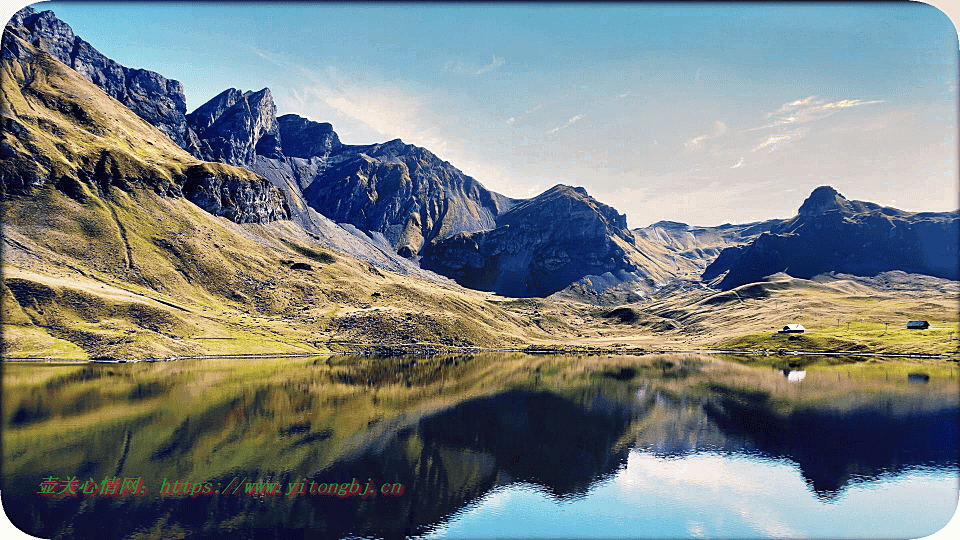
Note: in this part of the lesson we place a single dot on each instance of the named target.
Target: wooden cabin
(918, 325)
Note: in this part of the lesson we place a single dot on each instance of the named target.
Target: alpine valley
(135, 229)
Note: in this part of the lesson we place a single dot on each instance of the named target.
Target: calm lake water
(487, 445)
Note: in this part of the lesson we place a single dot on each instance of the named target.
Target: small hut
(792, 329)
(918, 325)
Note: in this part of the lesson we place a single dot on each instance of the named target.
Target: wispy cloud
(719, 129)
(801, 111)
(566, 124)
(810, 109)
(470, 68)
(497, 62)
(773, 142)
(786, 107)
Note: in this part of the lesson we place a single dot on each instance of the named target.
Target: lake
(483, 445)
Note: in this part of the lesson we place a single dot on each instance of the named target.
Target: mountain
(233, 124)
(546, 243)
(234, 127)
(62, 131)
(400, 194)
(833, 234)
(105, 253)
(157, 100)
(404, 192)
(403, 208)
(701, 245)
(387, 199)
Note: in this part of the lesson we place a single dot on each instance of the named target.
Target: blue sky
(701, 114)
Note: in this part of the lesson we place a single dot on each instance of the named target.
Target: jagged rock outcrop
(832, 233)
(305, 139)
(232, 196)
(157, 100)
(235, 127)
(542, 245)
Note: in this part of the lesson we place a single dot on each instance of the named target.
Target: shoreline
(430, 351)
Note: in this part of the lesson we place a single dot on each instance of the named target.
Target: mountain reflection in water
(454, 431)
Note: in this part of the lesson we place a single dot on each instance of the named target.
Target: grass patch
(310, 253)
(806, 342)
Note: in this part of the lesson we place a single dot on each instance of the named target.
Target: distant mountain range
(401, 207)
(831, 233)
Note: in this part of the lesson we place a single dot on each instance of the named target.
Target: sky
(704, 114)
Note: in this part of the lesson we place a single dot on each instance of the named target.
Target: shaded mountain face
(544, 244)
(305, 139)
(157, 100)
(403, 192)
(60, 130)
(831, 233)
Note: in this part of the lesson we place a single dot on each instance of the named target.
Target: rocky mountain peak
(563, 200)
(672, 225)
(396, 149)
(832, 233)
(235, 127)
(205, 115)
(48, 32)
(157, 100)
(304, 138)
(824, 199)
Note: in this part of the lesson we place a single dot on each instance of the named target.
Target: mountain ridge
(403, 208)
(833, 234)
(156, 99)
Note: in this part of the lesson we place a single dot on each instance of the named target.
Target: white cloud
(719, 129)
(497, 62)
(270, 57)
(775, 141)
(809, 109)
(567, 124)
(378, 111)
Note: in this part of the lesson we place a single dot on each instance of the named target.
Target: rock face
(831, 233)
(305, 139)
(540, 246)
(236, 127)
(233, 197)
(403, 192)
(157, 100)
